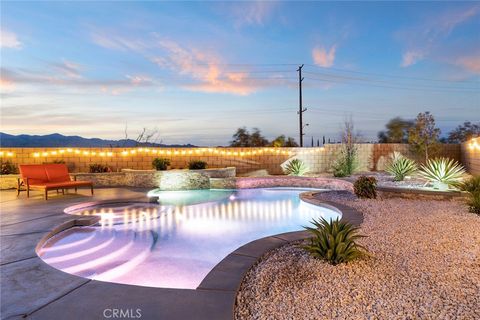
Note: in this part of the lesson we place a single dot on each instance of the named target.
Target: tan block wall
(471, 156)
(371, 157)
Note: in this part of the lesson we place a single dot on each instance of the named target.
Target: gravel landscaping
(425, 265)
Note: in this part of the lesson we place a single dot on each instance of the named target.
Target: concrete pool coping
(213, 299)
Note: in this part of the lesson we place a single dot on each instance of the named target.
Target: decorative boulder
(182, 180)
(223, 183)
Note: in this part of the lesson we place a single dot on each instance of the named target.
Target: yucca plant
(334, 241)
(346, 163)
(443, 172)
(400, 166)
(296, 167)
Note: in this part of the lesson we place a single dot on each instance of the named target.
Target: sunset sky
(197, 71)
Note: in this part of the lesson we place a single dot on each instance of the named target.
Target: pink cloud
(203, 70)
(411, 57)
(425, 39)
(60, 78)
(323, 57)
(9, 39)
(6, 84)
(470, 63)
(252, 12)
(112, 41)
(204, 67)
(139, 79)
(68, 69)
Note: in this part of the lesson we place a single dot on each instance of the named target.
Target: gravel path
(426, 265)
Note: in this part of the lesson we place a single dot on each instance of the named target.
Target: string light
(247, 152)
(473, 145)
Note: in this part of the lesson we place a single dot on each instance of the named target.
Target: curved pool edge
(214, 298)
(228, 274)
(76, 222)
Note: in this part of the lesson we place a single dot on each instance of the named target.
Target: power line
(395, 87)
(383, 81)
(338, 69)
(392, 76)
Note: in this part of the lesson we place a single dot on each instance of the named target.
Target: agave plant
(334, 241)
(296, 167)
(400, 166)
(443, 172)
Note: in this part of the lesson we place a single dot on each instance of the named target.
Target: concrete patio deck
(32, 289)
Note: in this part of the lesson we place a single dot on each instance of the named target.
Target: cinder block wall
(470, 151)
(371, 156)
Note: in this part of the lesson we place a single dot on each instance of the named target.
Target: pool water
(176, 243)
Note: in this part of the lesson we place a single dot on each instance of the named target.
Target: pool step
(98, 254)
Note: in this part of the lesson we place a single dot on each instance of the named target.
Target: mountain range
(59, 140)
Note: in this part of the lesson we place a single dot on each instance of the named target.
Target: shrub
(296, 167)
(160, 163)
(400, 166)
(365, 187)
(56, 161)
(346, 163)
(99, 168)
(443, 171)
(197, 165)
(474, 202)
(472, 186)
(8, 167)
(334, 241)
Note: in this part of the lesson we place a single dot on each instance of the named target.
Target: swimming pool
(176, 243)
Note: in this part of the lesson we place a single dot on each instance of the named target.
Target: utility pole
(301, 110)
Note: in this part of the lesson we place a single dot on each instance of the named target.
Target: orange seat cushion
(34, 172)
(59, 185)
(57, 172)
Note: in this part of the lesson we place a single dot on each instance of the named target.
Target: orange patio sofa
(47, 177)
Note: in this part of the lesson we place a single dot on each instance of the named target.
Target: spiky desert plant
(334, 241)
(472, 186)
(443, 170)
(474, 202)
(400, 167)
(346, 163)
(365, 187)
(296, 167)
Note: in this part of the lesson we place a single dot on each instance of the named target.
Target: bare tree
(148, 136)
